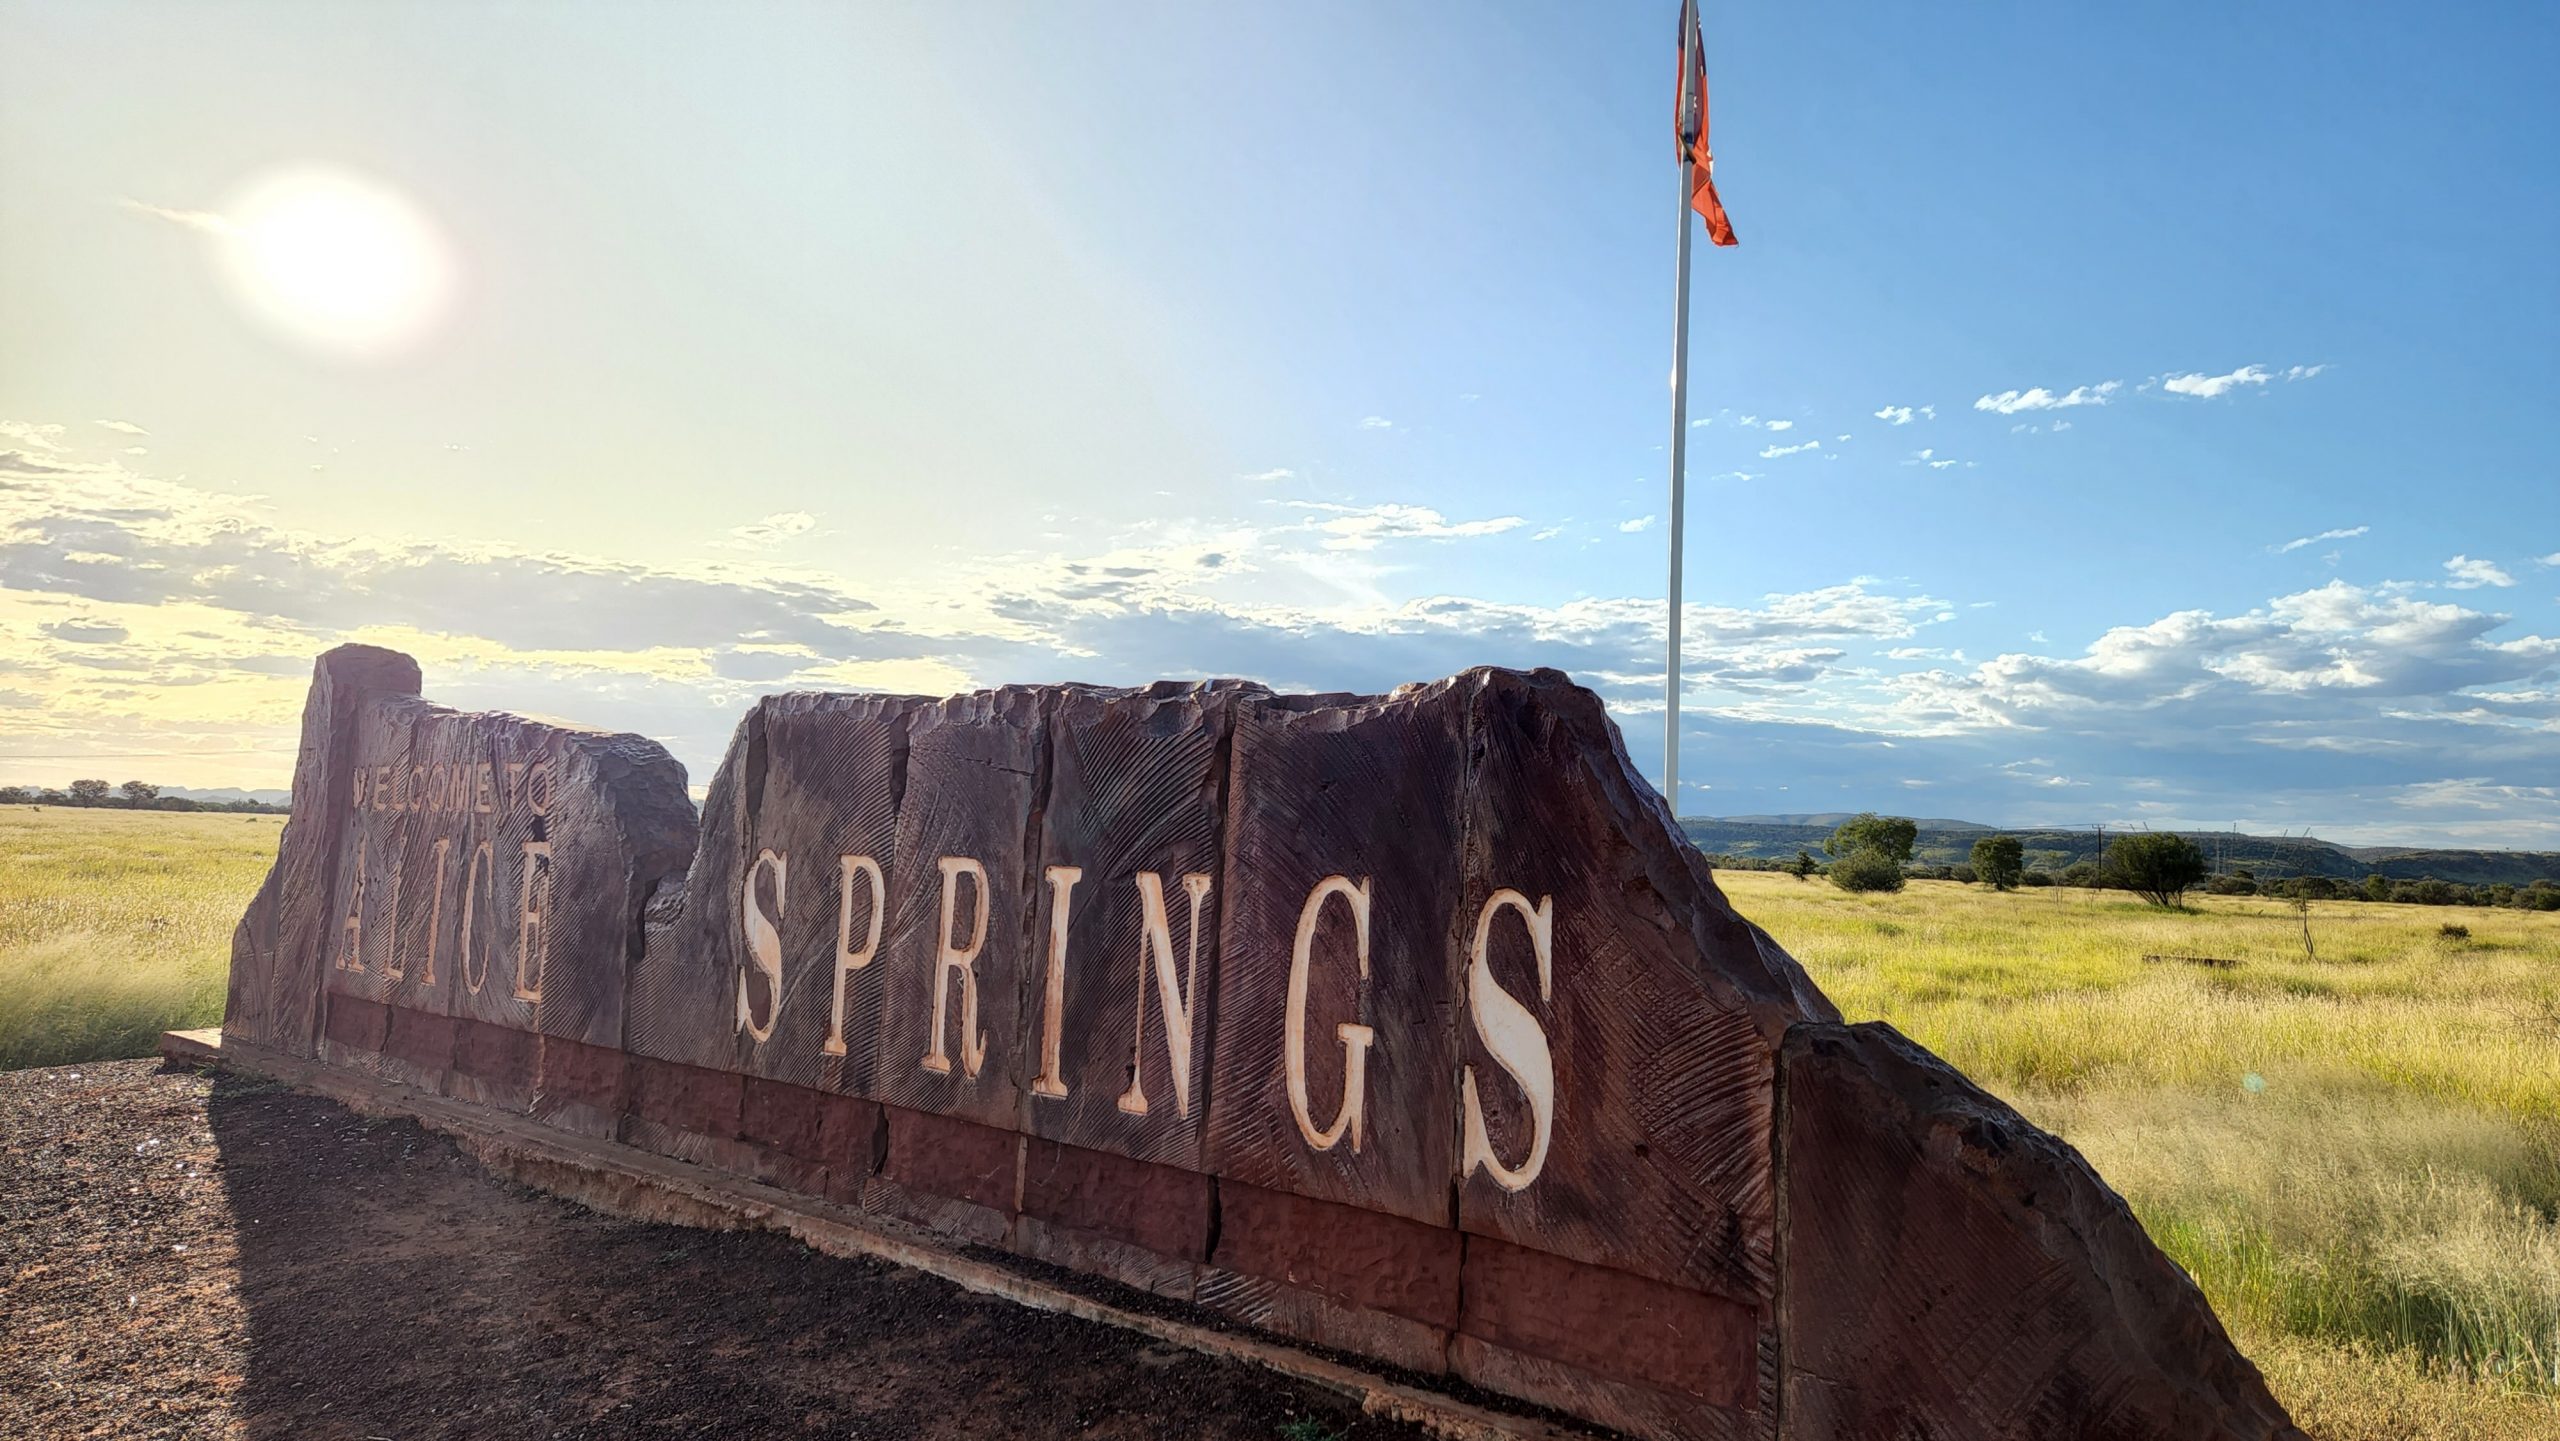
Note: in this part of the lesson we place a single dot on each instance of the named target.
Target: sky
(2135, 414)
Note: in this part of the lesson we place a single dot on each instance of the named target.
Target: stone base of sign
(622, 1180)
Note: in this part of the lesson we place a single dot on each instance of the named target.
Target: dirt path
(192, 1256)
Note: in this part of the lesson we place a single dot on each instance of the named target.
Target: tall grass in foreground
(2357, 1157)
(116, 926)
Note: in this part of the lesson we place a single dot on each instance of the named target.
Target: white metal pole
(1679, 422)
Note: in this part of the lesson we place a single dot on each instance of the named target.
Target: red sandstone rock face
(1954, 1271)
(1407, 1025)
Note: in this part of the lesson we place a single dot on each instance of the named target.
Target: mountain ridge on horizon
(1944, 842)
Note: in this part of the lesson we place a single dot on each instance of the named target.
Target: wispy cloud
(771, 531)
(2298, 542)
(1363, 527)
(1929, 457)
(1905, 414)
(1270, 477)
(1630, 527)
(2469, 574)
(2010, 402)
(2208, 387)
(1376, 422)
(124, 427)
(1772, 452)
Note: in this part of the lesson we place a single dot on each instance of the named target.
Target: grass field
(2357, 1156)
(116, 925)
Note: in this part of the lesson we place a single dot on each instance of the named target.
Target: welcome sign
(1405, 1025)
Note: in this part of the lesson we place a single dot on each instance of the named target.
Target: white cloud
(1904, 414)
(1781, 425)
(1772, 452)
(1550, 533)
(1268, 477)
(1928, 456)
(2469, 574)
(2552, 559)
(2010, 402)
(1353, 527)
(2299, 541)
(2207, 387)
(124, 427)
(771, 531)
(1630, 527)
(1376, 422)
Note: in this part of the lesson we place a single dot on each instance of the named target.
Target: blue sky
(918, 347)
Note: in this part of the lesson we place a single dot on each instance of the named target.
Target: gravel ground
(185, 1255)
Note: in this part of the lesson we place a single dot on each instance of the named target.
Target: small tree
(2377, 887)
(88, 793)
(1803, 865)
(1870, 869)
(2159, 866)
(2000, 861)
(138, 794)
(1866, 830)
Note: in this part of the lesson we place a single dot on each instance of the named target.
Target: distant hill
(226, 795)
(1946, 843)
(1827, 820)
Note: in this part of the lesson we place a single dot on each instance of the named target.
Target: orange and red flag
(1689, 122)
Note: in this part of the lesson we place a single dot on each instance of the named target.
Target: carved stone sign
(1406, 1025)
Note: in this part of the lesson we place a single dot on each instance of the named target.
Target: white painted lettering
(849, 960)
(1514, 1037)
(533, 904)
(1356, 1038)
(482, 863)
(1155, 939)
(950, 958)
(764, 944)
(1051, 1082)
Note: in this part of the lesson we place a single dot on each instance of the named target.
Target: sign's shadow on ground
(394, 1288)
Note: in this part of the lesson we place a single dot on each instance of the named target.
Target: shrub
(2231, 885)
(1867, 870)
(2377, 887)
(2035, 878)
(2159, 866)
(1966, 874)
(1867, 831)
(2450, 931)
(2084, 874)
(2000, 860)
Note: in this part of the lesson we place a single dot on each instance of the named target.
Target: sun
(336, 260)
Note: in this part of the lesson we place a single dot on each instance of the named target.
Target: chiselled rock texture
(280, 948)
(470, 873)
(1954, 1271)
(1407, 1025)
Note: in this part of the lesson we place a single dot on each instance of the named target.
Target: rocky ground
(188, 1256)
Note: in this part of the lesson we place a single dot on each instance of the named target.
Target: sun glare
(337, 261)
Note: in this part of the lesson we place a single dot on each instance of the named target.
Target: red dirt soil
(186, 1255)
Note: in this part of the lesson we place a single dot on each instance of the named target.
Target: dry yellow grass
(2358, 1156)
(116, 925)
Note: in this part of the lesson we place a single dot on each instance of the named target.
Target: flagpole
(1679, 424)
